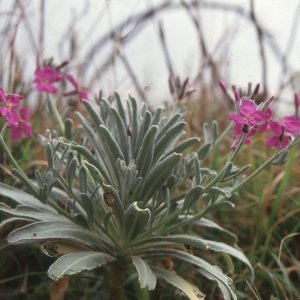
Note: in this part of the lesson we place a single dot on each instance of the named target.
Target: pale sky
(145, 54)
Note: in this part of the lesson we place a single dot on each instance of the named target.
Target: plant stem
(255, 173)
(56, 115)
(223, 134)
(29, 185)
(117, 279)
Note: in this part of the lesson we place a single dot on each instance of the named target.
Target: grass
(266, 216)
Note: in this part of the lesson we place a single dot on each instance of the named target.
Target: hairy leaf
(210, 271)
(222, 247)
(22, 197)
(122, 135)
(211, 224)
(168, 139)
(136, 219)
(146, 276)
(192, 196)
(49, 230)
(75, 262)
(32, 213)
(145, 155)
(158, 176)
(189, 289)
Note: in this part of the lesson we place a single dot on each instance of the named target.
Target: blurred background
(133, 46)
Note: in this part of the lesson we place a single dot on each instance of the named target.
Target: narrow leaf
(22, 197)
(184, 145)
(123, 139)
(110, 144)
(49, 153)
(192, 196)
(95, 116)
(172, 121)
(222, 247)
(210, 271)
(71, 171)
(183, 239)
(211, 224)
(49, 230)
(203, 151)
(168, 139)
(215, 130)
(156, 117)
(83, 185)
(32, 213)
(134, 123)
(189, 289)
(145, 155)
(144, 127)
(120, 107)
(158, 176)
(146, 276)
(136, 219)
(68, 128)
(75, 262)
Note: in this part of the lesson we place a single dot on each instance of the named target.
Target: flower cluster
(252, 118)
(16, 117)
(48, 77)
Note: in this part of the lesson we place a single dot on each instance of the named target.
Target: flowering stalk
(279, 154)
(237, 148)
(55, 113)
(26, 180)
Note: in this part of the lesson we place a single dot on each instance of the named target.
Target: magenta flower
(291, 124)
(238, 130)
(81, 93)
(268, 117)
(45, 78)
(283, 131)
(279, 139)
(247, 121)
(8, 108)
(249, 115)
(22, 127)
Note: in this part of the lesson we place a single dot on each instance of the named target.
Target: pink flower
(8, 109)
(81, 93)
(248, 120)
(22, 127)
(268, 117)
(283, 131)
(249, 115)
(291, 124)
(238, 130)
(45, 77)
(278, 139)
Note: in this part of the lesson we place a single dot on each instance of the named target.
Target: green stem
(29, 184)
(56, 115)
(235, 152)
(223, 134)
(255, 173)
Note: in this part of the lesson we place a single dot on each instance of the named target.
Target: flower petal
(248, 107)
